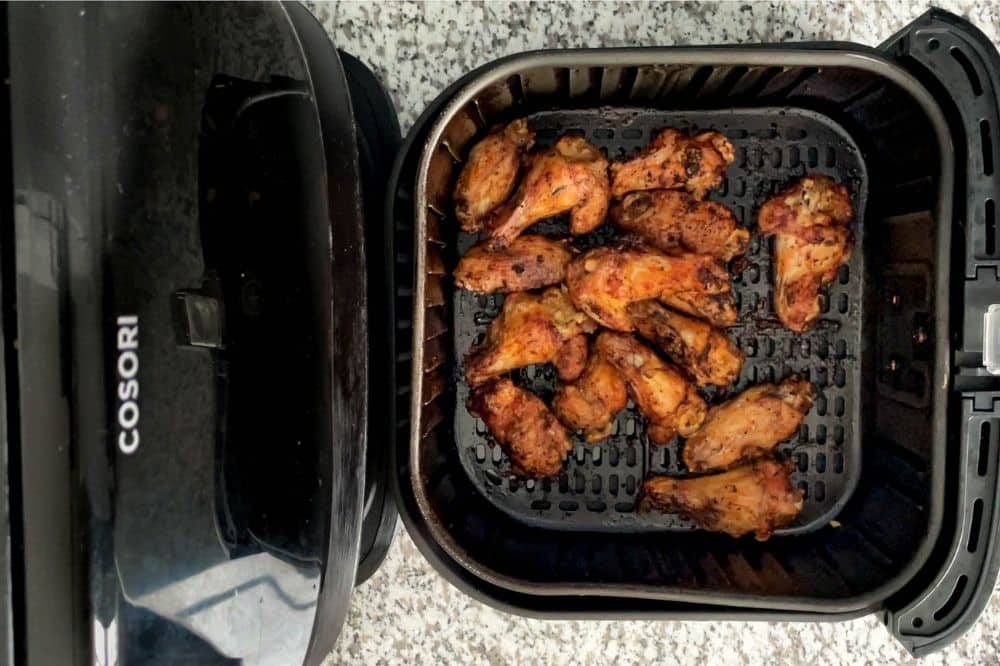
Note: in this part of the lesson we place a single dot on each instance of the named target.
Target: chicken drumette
(810, 222)
(529, 329)
(704, 351)
(749, 425)
(603, 281)
(490, 173)
(673, 221)
(531, 435)
(571, 176)
(529, 262)
(591, 403)
(675, 161)
(757, 498)
(669, 402)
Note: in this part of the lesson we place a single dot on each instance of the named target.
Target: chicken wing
(675, 161)
(531, 435)
(571, 359)
(669, 402)
(672, 221)
(490, 174)
(570, 176)
(757, 498)
(749, 425)
(529, 329)
(810, 222)
(705, 352)
(529, 262)
(592, 402)
(603, 281)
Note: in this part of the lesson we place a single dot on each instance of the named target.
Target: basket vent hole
(563, 483)
(581, 454)
(604, 134)
(933, 44)
(546, 485)
(541, 505)
(812, 157)
(804, 487)
(838, 434)
(820, 435)
(623, 507)
(820, 462)
(821, 405)
(480, 452)
(803, 462)
(838, 463)
(824, 303)
(917, 622)
(970, 71)
(579, 483)
(793, 156)
(632, 133)
(819, 491)
(840, 349)
(750, 347)
(975, 526)
(665, 458)
(987, 141)
(805, 348)
(613, 484)
(842, 303)
(776, 157)
(497, 454)
(630, 457)
(597, 507)
(984, 448)
(804, 433)
(844, 274)
(568, 505)
(953, 600)
(839, 377)
(613, 456)
(830, 157)
(630, 485)
(513, 484)
(595, 485)
(991, 226)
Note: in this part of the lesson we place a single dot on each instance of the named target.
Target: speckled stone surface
(407, 613)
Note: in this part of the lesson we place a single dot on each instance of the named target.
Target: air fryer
(231, 344)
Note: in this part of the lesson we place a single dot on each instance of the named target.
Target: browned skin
(591, 403)
(669, 402)
(603, 281)
(529, 262)
(490, 173)
(749, 425)
(675, 161)
(531, 435)
(571, 358)
(704, 351)
(757, 498)
(810, 222)
(571, 176)
(674, 221)
(529, 329)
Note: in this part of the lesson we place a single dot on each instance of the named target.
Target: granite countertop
(406, 612)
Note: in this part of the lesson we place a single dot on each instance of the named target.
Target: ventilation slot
(956, 594)
(970, 71)
(984, 448)
(984, 132)
(991, 226)
(975, 526)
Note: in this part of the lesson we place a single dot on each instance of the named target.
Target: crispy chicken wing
(810, 222)
(672, 221)
(749, 425)
(571, 359)
(490, 174)
(669, 402)
(529, 329)
(592, 402)
(603, 281)
(531, 435)
(757, 498)
(675, 161)
(707, 353)
(570, 176)
(529, 262)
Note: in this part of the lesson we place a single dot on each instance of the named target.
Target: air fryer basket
(885, 530)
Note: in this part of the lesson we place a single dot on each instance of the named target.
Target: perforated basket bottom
(599, 486)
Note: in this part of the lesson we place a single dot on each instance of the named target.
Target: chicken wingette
(757, 499)
(591, 403)
(675, 161)
(529, 262)
(530, 434)
(571, 359)
(750, 425)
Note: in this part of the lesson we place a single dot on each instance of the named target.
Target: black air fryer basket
(898, 457)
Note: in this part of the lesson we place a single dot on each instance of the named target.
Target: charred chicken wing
(529, 329)
(490, 174)
(603, 281)
(571, 176)
(671, 221)
(591, 403)
(750, 425)
(704, 351)
(531, 435)
(529, 262)
(757, 498)
(669, 402)
(675, 161)
(810, 222)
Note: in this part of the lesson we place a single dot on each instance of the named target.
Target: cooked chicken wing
(673, 221)
(571, 359)
(809, 221)
(707, 353)
(603, 281)
(529, 262)
(669, 402)
(757, 498)
(749, 425)
(570, 176)
(675, 161)
(529, 329)
(592, 402)
(531, 435)
(490, 174)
